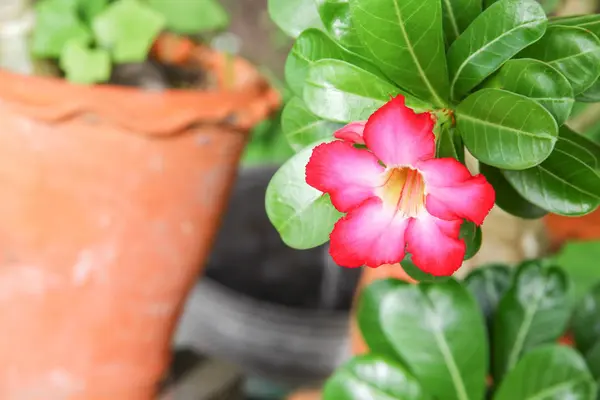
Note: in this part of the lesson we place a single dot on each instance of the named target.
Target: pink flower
(396, 195)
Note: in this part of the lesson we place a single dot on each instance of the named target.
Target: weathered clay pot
(111, 197)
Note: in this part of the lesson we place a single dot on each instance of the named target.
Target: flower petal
(398, 136)
(371, 235)
(353, 132)
(453, 193)
(349, 175)
(434, 244)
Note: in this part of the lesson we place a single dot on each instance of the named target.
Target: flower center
(404, 189)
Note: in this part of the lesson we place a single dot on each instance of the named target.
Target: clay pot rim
(246, 102)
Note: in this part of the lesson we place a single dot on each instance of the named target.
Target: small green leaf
(488, 284)
(57, 23)
(314, 45)
(591, 94)
(549, 372)
(90, 8)
(507, 198)
(591, 22)
(449, 143)
(405, 41)
(435, 328)
(417, 274)
(127, 28)
(458, 15)
(472, 236)
(294, 16)
(586, 320)
(506, 130)
(303, 216)
(335, 15)
(567, 182)
(500, 32)
(575, 52)
(538, 81)
(189, 17)
(84, 65)
(331, 91)
(533, 312)
(374, 377)
(302, 128)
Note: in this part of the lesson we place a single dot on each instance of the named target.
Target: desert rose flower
(397, 196)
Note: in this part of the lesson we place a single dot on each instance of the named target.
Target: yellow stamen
(404, 189)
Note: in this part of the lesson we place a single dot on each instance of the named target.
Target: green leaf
(471, 233)
(57, 23)
(579, 260)
(189, 17)
(586, 320)
(507, 198)
(336, 17)
(449, 143)
(500, 32)
(90, 8)
(302, 128)
(550, 372)
(506, 130)
(458, 15)
(84, 65)
(533, 312)
(538, 81)
(487, 3)
(590, 22)
(567, 182)
(592, 358)
(488, 284)
(313, 45)
(405, 41)
(332, 91)
(373, 377)
(575, 52)
(303, 216)
(417, 274)
(436, 328)
(591, 94)
(294, 16)
(127, 28)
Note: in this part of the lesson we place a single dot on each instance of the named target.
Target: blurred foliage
(580, 260)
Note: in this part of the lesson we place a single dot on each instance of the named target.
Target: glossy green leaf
(188, 17)
(507, 198)
(313, 45)
(373, 377)
(506, 130)
(405, 41)
(550, 372)
(303, 216)
(591, 22)
(487, 3)
(417, 274)
(127, 28)
(538, 81)
(488, 284)
(472, 235)
(84, 65)
(586, 320)
(336, 17)
(500, 32)
(302, 128)
(449, 143)
(341, 92)
(592, 358)
(57, 23)
(294, 16)
(533, 312)
(436, 328)
(458, 15)
(575, 52)
(591, 94)
(567, 183)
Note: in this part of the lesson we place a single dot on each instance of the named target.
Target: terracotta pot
(562, 228)
(110, 200)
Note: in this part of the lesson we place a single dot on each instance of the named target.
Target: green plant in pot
(498, 78)
(492, 336)
(112, 194)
